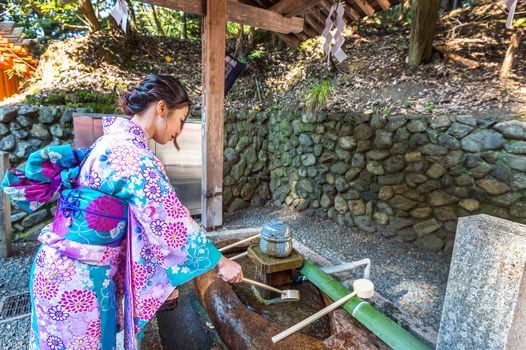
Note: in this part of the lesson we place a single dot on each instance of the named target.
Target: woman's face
(169, 123)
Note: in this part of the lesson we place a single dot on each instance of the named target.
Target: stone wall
(23, 130)
(245, 169)
(407, 177)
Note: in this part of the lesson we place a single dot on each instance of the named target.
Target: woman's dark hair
(154, 87)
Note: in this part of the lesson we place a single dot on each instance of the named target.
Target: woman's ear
(161, 107)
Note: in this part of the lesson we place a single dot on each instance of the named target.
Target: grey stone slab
(483, 308)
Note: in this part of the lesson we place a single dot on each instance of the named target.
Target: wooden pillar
(3, 88)
(213, 93)
(425, 17)
(8, 92)
(5, 212)
(16, 83)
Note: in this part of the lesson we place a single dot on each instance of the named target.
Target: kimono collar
(118, 125)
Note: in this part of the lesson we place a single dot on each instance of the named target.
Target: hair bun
(137, 88)
(154, 88)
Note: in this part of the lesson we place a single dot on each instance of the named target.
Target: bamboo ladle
(286, 294)
(239, 243)
(362, 288)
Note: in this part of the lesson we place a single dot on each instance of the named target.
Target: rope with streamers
(120, 13)
(511, 5)
(336, 49)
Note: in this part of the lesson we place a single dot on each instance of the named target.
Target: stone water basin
(244, 322)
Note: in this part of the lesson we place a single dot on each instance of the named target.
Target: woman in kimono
(121, 241)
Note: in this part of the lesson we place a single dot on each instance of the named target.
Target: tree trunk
(425, 16)
(240, 45)
(133, 22)
(445, 6)
(113, 24)
(507, 64)
(184, 34)
(251, 39)
(87, 10)
(158, 25)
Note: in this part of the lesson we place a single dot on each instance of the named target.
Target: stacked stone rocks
(408, 177)
(23, 130)
(245, 169)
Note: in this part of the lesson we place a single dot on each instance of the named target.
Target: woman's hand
(229, 270)
(173, 295)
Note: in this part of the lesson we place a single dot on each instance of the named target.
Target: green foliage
(307, 45)
(232, 29)
(12, 72)
(44, 19)
(317, 96)
(254, 54)
(387, 112)
(55, 98)
(430, 105)
(520, 22)
(98, 102)
(171, 22)
(49, 19)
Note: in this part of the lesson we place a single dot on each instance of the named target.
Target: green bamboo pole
(386, 329)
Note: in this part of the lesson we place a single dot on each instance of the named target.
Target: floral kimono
(119, 234)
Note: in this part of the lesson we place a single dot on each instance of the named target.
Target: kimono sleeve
(46, 171)
(162, 228)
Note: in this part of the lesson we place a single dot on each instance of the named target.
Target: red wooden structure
(14, 58)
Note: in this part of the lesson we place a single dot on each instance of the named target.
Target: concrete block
(485, 303)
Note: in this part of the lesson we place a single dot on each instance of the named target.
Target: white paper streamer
(120, 13)
(336, 49)
(511, 5)
(327, 31)
(340, 24)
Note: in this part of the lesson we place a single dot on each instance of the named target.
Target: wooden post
(5, 212)
(213, 92)
(425, 16)
(507, 64)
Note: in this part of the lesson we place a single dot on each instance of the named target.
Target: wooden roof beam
(365, 7)
(318, 27)
(352, 13)
(240, 13)
(290, 39)
(384, 4)
(7, 26)
(310, 31)
(291, 8)
(326, 7)
(264, 19)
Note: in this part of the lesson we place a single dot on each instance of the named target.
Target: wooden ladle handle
(263, 285)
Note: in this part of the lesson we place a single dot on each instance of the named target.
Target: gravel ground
(409, 277)
(14, 279)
